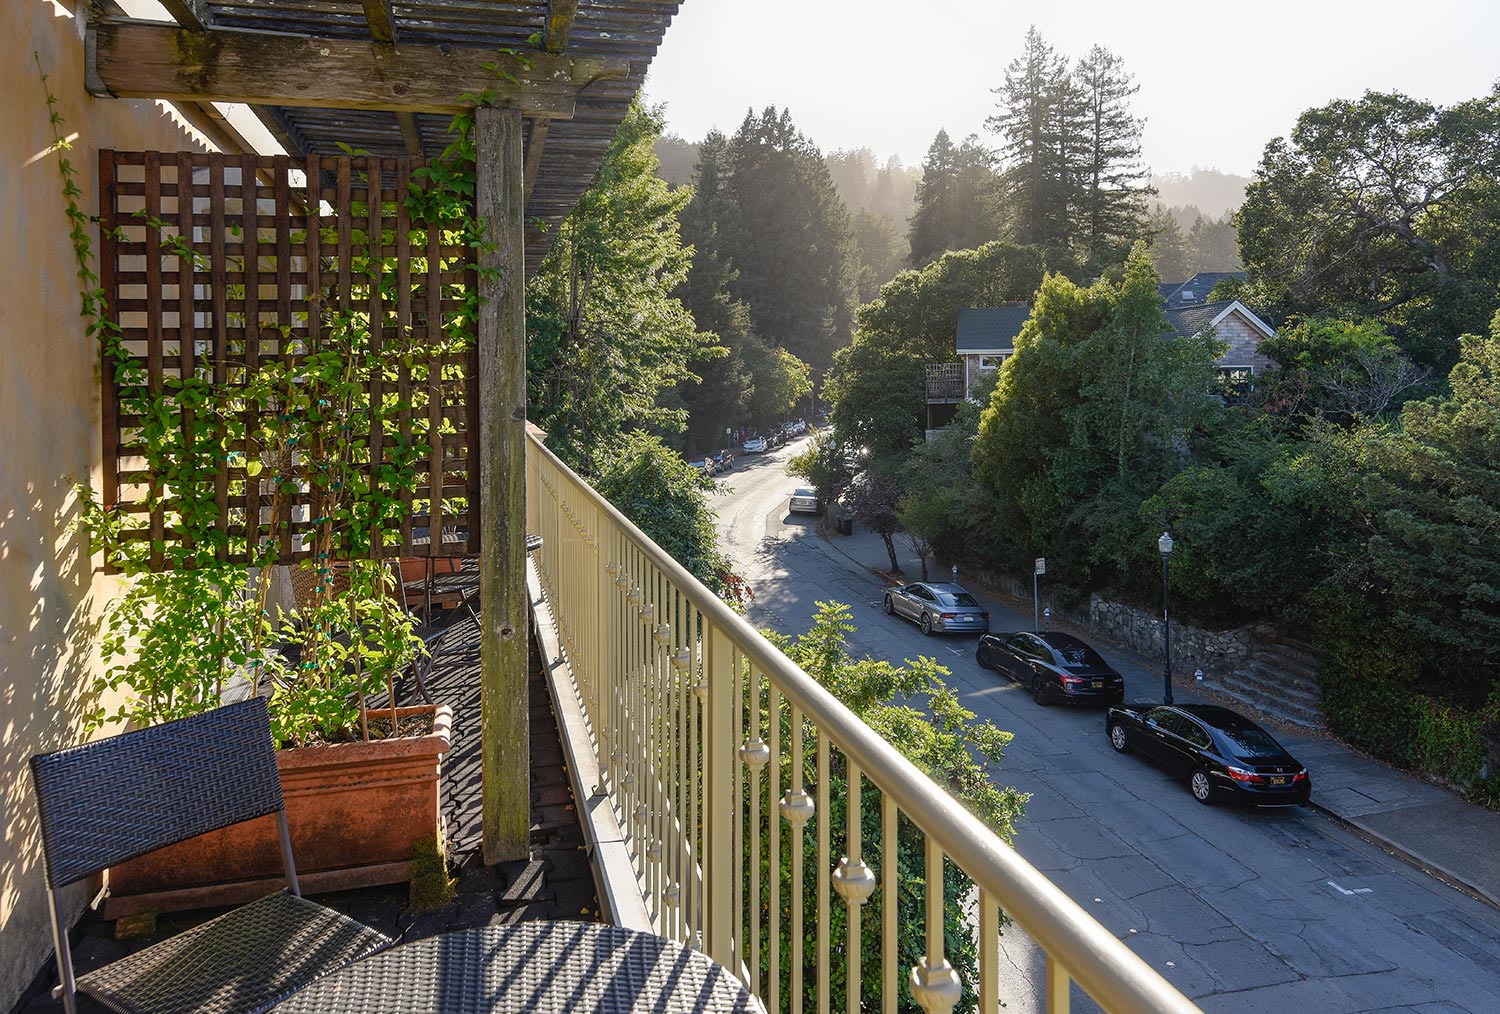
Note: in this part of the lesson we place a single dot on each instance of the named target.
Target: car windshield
(1249, 742)
(962, 599)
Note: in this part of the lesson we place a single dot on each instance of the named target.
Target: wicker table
(546, 967)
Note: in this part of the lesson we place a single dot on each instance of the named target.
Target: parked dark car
(723, 460)
(1221, 754)
(1055, 667)
(938, 608)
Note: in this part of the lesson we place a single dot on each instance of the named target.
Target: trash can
(846, 526)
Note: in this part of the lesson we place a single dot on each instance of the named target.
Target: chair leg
(286, 853)
(66, 986)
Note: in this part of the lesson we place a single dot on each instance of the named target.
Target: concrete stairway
(1279, 680)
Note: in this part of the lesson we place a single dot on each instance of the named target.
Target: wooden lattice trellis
(215, 266)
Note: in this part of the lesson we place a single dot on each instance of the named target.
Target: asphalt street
(1253, 911)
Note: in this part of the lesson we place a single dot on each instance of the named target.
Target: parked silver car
(938, 608)
(804, 501)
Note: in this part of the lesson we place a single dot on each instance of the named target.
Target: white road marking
(1347, 892)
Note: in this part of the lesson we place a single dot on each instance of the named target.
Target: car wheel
(979, 658)
(1202, 787)
(1117, 738)
(1039, 691)
(890, 607)
(927, 624)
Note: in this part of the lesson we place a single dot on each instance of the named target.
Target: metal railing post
(719, 809)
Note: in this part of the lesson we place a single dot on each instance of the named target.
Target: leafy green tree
(665, 497)
(1091, 415)
(1339, 369)
(879, 399)
(877, 387)
(942, 498)
(1252, 518)
(1027, 420)
(1428, 490)
(606, 336)
(958, 750)
(1382, 207)
(874, 498)
(917, 312)
(781, 380)
(824, 465)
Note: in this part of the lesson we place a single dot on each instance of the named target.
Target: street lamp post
(1165, 545)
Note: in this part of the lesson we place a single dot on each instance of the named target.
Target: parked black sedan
(1222, 755)
(1056, 667)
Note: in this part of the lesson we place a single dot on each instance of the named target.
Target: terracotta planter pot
(354, 810)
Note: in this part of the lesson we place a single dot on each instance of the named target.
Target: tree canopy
(1383, 206)
(1093, 412)
(606, 336)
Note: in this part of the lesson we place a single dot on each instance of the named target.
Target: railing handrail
(1105, 968)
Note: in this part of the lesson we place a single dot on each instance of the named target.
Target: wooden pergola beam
(151, 60)
(560, 14)
(411, 133)
(381, 21)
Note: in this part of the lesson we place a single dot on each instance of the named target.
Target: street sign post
(1036, 601)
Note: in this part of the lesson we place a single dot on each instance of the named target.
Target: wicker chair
(114, 799)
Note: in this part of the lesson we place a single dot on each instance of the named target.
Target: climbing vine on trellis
(288, 353)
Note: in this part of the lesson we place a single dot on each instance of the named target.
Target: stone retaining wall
(1217, 652)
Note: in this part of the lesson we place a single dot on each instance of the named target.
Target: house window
(989, 364)
(1236, 374)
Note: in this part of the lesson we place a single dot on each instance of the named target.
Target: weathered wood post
(506, 763)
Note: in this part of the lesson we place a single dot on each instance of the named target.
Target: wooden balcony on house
(945, 383)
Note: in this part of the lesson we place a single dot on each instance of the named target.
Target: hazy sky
(1217, 79)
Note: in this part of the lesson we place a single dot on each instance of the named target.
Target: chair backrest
(114, 799)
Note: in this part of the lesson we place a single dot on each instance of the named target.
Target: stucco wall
(49, 439)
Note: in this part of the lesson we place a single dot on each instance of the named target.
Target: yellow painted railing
(718, 752)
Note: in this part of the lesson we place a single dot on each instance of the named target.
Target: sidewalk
(1428, 825)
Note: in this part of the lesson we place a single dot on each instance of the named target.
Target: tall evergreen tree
(1212, 244)
(718, 394)
(954, 200)
(1112, 178)
(936, 196)
(1169, 250)
(881, 252)
(795, 251)
(1036, 122)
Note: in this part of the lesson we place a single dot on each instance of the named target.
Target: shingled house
(986, 338)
